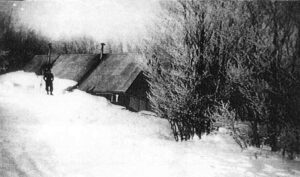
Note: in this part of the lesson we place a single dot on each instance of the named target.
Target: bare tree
(244, 54)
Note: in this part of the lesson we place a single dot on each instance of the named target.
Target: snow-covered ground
(78, 135)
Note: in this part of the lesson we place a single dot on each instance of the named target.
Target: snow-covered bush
(203, 54)
(225, 117)
(289, 141)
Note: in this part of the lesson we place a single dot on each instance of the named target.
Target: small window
(111, 98)
(117, 98)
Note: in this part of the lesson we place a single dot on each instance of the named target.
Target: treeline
(228, 63)
(19, 44)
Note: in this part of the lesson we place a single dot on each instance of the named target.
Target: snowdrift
(74, 134)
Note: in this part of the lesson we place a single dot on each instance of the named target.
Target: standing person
(48, 78)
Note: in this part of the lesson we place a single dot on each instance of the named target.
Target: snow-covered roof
(74, 66)
(115, 73)
(36, 64)
(67, 66)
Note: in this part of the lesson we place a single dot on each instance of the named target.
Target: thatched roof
(115, 74)
(74, 66)
(38, 62)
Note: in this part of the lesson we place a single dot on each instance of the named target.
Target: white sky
(101, 19)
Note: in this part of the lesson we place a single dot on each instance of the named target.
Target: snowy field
(79, 135)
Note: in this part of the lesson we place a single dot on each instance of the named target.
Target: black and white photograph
(149, 88)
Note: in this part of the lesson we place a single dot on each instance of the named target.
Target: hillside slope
(79, 135)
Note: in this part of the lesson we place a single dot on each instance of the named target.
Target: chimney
(49, 54)
(102, 50)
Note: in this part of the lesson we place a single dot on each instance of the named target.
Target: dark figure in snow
(48, 78)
